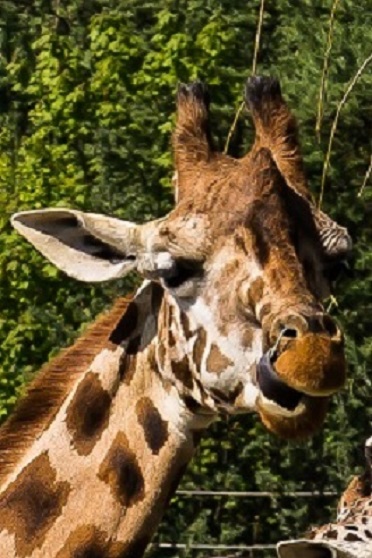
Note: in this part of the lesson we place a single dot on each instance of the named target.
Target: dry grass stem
(254, 67)
(319, 118)
(332, 303)
(335, 123)
(366, 178)
(233, 126)
(258, 37)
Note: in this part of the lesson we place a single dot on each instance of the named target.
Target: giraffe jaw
(287, 412)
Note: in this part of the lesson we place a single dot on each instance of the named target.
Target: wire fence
(239, 549)
(220, 493)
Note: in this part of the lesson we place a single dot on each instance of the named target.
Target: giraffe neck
(97, 471)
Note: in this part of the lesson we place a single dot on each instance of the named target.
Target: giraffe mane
(47, 392)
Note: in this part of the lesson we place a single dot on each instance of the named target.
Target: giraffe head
(243, 262)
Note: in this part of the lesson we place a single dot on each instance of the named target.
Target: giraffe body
(229, 319)
(351, 535)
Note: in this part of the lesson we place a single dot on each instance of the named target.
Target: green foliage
(86, 111)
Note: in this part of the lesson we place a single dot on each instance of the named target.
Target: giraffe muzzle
(285, 411)
(297, 375)
(308, 354)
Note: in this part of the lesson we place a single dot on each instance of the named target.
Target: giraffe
(351, 535)
(228, 319)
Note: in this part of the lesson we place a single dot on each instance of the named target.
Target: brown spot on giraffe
(151, 355)
(217, 362)
(199, 347)
(121, 471)
(126, 325)
(171, 338)
(185, 324)
(88, 541)
(352, 537)
(88, 414)
(247, 338)
(255, 292)
(228, 397)
(127, 367)
(181, 371)
(154, 427)
(134, 345)
(31, 505)
(192, 405)
(265, 311)
(331, 534)
(171, 319)
(157, 295)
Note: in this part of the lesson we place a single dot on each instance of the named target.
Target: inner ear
(69, 230)
(88, 247)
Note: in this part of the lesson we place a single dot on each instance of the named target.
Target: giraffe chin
(303, 423)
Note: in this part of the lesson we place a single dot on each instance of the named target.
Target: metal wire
(232, 494)
(215, 546)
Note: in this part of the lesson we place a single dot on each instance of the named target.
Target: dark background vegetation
(86, 112)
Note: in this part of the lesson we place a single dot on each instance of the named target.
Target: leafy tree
(86, 112)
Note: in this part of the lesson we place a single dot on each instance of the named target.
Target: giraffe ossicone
(229, 319)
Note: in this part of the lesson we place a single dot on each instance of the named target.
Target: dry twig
(366, 177)
(335, 122)
(254, 67)
(319, 118)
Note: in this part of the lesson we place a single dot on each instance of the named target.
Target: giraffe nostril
(330, 326)
(294, 326)
(288, 327)
(324, 324)
(289, 333)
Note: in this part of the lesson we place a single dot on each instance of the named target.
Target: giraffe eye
(182, 271)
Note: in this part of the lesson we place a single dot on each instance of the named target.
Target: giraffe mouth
(287, 412)
(272, 386)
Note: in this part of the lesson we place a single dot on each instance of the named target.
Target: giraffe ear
(86, 246)
(336, 241)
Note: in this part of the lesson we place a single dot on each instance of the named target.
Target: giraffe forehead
(234, 194)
